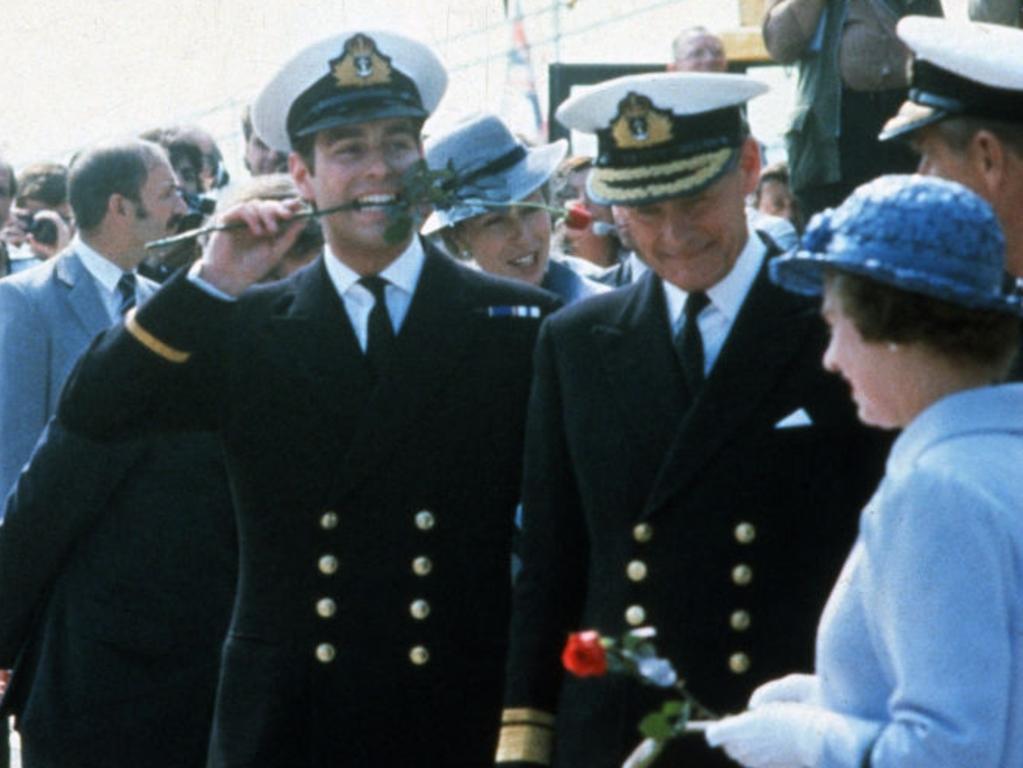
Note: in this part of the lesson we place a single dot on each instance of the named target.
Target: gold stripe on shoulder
(150, 342)
(526, 715)
(525, 743)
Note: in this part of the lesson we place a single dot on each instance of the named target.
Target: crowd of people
(330, 483)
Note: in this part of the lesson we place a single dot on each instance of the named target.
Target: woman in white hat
(919, 659)
(502, 222)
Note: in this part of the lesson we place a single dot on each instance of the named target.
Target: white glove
(798, 688)
(775, 735)
(644, 754)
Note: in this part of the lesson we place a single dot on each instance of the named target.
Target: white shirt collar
(99, 266)
(402, 273)
(728, 294)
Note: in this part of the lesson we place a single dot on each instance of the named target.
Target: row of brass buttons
(740, 620)
(424, 520)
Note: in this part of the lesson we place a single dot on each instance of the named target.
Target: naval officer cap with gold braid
(354, 77)
(959, 69)
(661, 135)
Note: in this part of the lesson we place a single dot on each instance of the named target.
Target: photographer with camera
(39, 225)
(188, 158)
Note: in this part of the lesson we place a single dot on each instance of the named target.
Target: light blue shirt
(104, 272)
(726, 298)
(921, 642)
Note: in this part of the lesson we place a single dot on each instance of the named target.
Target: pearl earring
(893, 347)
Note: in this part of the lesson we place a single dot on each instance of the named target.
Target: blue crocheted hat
(920, 234)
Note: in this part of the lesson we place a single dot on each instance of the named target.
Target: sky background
(79, 72)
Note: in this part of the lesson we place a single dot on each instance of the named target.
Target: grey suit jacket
(48, 316)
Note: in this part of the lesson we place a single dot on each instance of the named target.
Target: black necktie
(379, 331)
(126, 291)
(689, 343)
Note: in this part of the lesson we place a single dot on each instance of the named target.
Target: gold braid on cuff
(153, 344)
(527, 735)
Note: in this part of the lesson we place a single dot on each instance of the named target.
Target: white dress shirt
(402, 276)
(726, 298)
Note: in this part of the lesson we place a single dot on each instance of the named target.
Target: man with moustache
(372, 410)
(122, 195)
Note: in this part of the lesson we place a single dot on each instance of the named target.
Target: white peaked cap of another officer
(350, 78)
(959, 68)
(661, 135)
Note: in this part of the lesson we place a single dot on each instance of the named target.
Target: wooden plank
(745, 45)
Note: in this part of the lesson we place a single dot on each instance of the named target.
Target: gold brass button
(643, 533)
(635, 615)
(425, 520)
(328, 521)
(739, 620)
(422, 566)
(419, 609)
(745, 533)
(419, 655)
(325, 653)
(739, 663)
(742, 574)
(328, 565)
(636, 570)
(325, 607)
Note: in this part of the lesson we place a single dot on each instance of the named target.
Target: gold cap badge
(360, 64)
(640, 123)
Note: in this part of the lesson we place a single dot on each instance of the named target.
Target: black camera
(44, 231)
(199, 207)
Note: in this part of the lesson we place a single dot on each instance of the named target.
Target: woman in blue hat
(919, 658)
(495, 172)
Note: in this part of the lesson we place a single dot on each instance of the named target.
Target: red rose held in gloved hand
(584, 655)
(577, 216)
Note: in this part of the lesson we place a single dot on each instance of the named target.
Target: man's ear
(117, 205)
(301, 174)
(987, 156)
(749, 165)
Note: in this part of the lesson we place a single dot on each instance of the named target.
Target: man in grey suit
(122, 195)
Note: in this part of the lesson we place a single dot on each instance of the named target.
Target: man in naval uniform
(372, 411)
(964, 115)
(689, 464)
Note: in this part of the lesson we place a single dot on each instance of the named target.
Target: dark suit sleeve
(549, 590)
(58, 495)
(161, 368)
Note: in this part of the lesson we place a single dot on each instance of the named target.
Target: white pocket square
(798, 418)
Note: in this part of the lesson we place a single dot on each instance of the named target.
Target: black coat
(117, 575)
(374, 523)
(610, 447)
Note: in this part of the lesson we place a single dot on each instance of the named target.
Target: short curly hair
(986, 339)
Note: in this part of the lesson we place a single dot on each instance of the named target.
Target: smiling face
(694, 241)
(363, 163)
(511, 242)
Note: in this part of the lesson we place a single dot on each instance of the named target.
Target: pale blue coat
(48, 316)
(921, 642)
